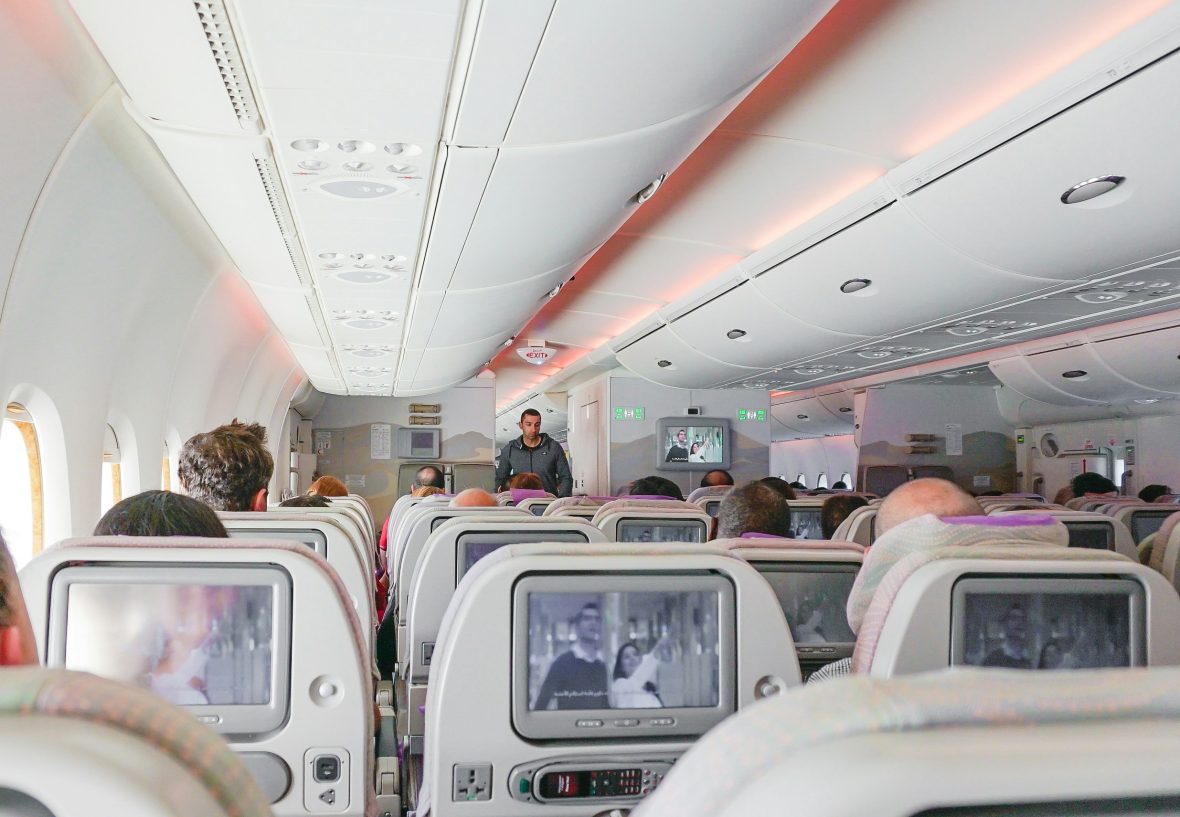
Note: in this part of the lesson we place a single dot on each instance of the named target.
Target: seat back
(812, 580)
(698, 495)
(1142, 519)
(510, 625)
(653, 520)
(881, 479)
(972, 742)
(580, 506)
(1089, 529)
(535, 505)
(267, 626)
(325, 533)
(932, 472)
(466, 475)
(806, 517)
(359, 508)
(858, 526)
(127, 753)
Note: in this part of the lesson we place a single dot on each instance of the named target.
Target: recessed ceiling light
(809, 371)
(394, 259)
(554, 292)
(1147, 401)
(649, 191)
(874, 354)
(362, 256)
(735, 334)
(1091, 188)
(402, 149)
(356, 146)
(1075, 374)
(312, 164)
(1100, 297)
(855, 285)
(309, 144)
(966, 331)
(802, 417)
(664, 364)
(845, 410)
(358, 167)
(368, 350)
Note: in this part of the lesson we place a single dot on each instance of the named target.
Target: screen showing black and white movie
(1144, 524)
(1091, 535)
(814, 598)
(805, 523)
(713, 507)
(694, 444)
(192, 645)
(623, 650)
(670, 530)
(1099, 626)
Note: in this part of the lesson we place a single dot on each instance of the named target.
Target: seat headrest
(760, 541)
(575, 502)
(1161, 542)
(930, 532)
(708, 490)
(60, 693)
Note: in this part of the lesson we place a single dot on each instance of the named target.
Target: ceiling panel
(654, 268)
(663, 357)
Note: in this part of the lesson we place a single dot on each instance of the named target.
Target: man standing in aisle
(536, 453)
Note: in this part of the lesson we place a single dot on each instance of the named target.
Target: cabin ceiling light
(855, 285)
(874, 354)
(845, 410)
(308, 145)
(802, 417)
(649, 191)
(1091, 189)
(735, 334)
(356, 146)
(312, 164)
(509, 342)
(1147, 401)
(1100, 297)
(664, 364)
(402, 168)
(331, 256)
(1075, 374)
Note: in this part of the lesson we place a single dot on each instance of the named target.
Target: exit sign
(629, 412)
(751, 415)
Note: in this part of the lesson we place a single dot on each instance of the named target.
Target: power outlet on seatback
(472, 782)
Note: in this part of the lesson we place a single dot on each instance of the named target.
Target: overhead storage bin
(664, 358)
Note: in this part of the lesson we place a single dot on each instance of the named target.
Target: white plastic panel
(289, 309)
(809, 417)
(652, 267)
(689, 370)
(171, 74)
(772, 337)
(1019, 374)
(615, 65)
(471, 315)
(910, 274)
(1005, 207)
(316, 362)
(1148, 360)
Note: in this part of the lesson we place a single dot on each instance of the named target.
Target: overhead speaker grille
(282, 214)
(220, 36)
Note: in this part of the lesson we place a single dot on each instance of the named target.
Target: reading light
(312, 164)
(855, 285)
(1074, 374)
(402, 168)
(402, 149)
(356, 146)
(358, 167)
(663, 364)
(735, 334)
(649, 191)
(309, 144)
(1091, 189)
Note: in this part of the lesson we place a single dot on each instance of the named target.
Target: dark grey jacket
(547, 461)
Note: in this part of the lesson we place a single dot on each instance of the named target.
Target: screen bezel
(669, 521)
(664, 423)
(798, 512)
(1152, 514)
(687, 721)
(830, 650)
(297, 535)
(1092, 524)
(1049, 584)
(242, 721)
(521, 537)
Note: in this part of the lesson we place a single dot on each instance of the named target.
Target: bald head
(473, 498)
(923, 496)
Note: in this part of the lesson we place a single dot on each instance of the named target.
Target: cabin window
(846, 478)
(822, 480)
(166, 470)
(21, 500)
(802, 479)
(112, 477)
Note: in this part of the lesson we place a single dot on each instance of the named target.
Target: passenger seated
(839, 485)
(228, 468)
(1090, 484)
(836, 510)
(160, 513)
(306, 501)
(654, 486)
(925, 496)
(18, 647)
(474, 498)
(781, 485)
(526, 481)
(328, 485)
(1064, 495)
(716, 477)
(1153, 492)
(755, 508)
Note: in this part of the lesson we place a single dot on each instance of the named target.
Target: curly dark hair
(160, 513)
(226, 467)
(306, 501)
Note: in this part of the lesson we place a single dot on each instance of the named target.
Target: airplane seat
(955, 742)
(697, 495)
(807, 517)
(812, 580)
(881, 479)
(356, 514)
(653, 520)
(524, 607)
(1088, 529)
(1167, 499)
(450, 553)
(581, 506)
(327, 535)
(1165, 552)
(504, 499)
(1077, 502)
(932, 472)
(913, 609)
(535, 504)
(1141, 518)
(1145, 549)
(858, 526)
(270, 630)
(74, 744)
